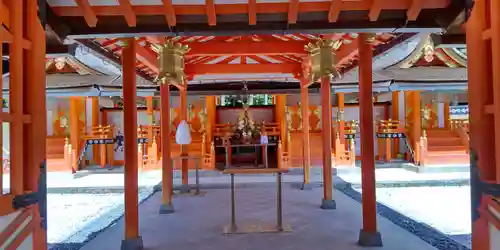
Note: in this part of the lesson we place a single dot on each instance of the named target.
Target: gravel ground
(446, 209)
(73, 219)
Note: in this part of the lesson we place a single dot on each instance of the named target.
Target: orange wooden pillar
(95, 123)
(35, 106)
(166, 164)
(340, 118)
(369, 236)
(132, 239)
(184, 148)
(281, 118)
(326, 122)
(150, 110)
(210, 122)
(395, 116)
(484, 107)
(416, 129)
(74, 128)
(446, 114)
(306, 155)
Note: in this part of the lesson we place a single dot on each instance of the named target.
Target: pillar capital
(171, 61)
(322, 58)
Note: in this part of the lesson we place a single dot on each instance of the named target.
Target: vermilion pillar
(95, 123)
(395, 116)
(306, 156)
(166, 164)
(369, 236)
(341, 125)
(184, 148)
(326, 122)
(210, 122)
(484, 108)
(446, 114)
(132, 239)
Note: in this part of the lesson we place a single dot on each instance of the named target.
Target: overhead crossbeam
(202, 69)
(252, 12)
(169, 13)
(293, 11)
(210, 8)
(88, 12)
(242, 8)
(247, 48)
(128, 12)
(333, 13)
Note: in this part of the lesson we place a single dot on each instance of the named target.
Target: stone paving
(198, 221)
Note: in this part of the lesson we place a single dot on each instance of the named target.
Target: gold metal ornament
(171, 61)
(323, 58)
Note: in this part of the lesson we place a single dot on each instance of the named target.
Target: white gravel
(446, 209)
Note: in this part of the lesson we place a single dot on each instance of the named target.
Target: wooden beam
(252, 12)
(333, 13)
(147, 57)
(128, 12)
(88, 13)
(4, 15)
(414, 10)
(247, 48)
(211, 14)
(293, 11)
(200, 69)
(169, 13)
(242, 8)
(375, 10)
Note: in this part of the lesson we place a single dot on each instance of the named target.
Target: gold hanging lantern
(323, 58)
(171, 61)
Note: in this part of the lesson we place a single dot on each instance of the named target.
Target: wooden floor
(198, 223)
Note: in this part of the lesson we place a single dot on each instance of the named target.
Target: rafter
(293, 11)
(414, 10)
(200, 69)
(4, 15)
(88, 12)
(247, 48)
(148, 57)
(252, 12)
(333, 13)
(210, 9)
(169, 13)
(227, 60)
(375, 10)
(261, 7)
(128, 12)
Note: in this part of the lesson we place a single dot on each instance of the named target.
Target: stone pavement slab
(197, 223)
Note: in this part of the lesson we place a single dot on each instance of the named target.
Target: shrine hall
(247, 117)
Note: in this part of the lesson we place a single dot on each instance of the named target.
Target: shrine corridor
(198, 223)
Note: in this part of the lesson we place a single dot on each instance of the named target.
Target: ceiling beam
(128, 12)
(169, 13)
(293, 11)
(333, 13)
(201, 69)
(211, 14)
(246, 48)
(114, 29)
(262, 8)
(88, 12)
(252, 12)
(414, 10)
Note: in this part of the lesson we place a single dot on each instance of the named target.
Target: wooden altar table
(256, 145)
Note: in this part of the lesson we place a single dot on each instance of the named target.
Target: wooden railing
(345, 149)
(388, 133)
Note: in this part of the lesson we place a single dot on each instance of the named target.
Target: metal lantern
(323, 58)
(171, 61)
